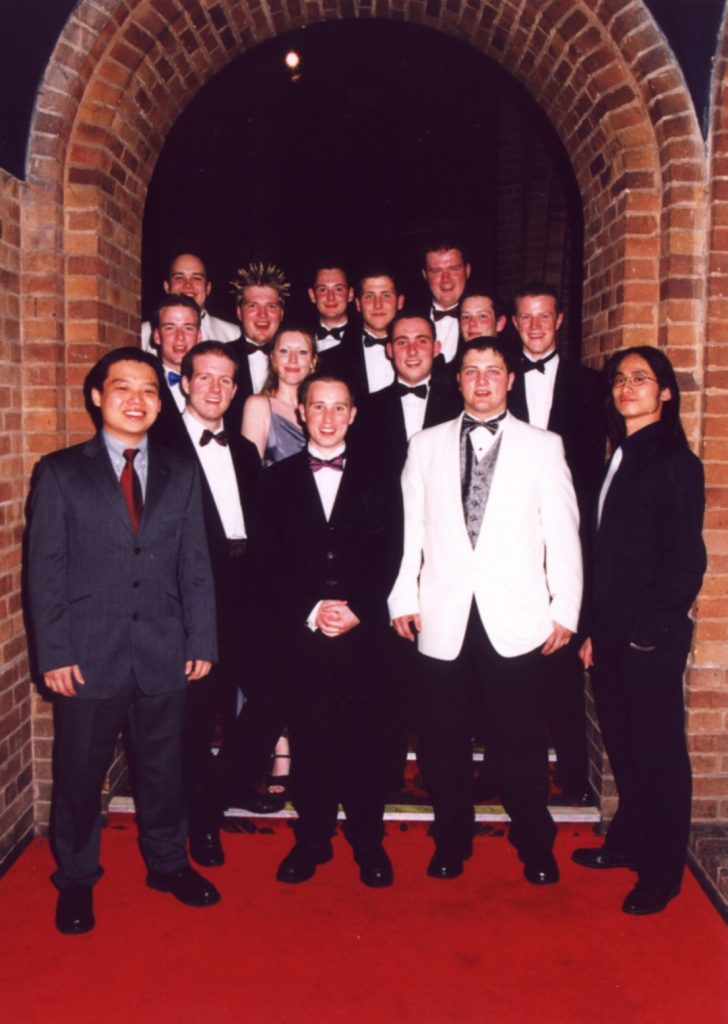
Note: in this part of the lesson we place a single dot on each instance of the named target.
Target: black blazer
(577, 416)
(648, 551)
(380, 429)
(346, 360)
(303, 559)
(234, 416)
(246, 463)
(114, 602)
(168, 429)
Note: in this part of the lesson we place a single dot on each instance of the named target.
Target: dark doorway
(386, 134)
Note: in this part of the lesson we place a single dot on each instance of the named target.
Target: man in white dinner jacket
(490, 584)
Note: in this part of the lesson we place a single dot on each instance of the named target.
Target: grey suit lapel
(158, 477)
(99, 468)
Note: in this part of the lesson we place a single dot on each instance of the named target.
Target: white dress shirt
(327, 484)
(329, 341)
(175, 391)
(614, 464)
(414, 408)
(259, 363)
(380, 372)
(447, 332)
(539, 389)
(217, 465)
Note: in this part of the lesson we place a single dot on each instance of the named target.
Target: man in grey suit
(123, 609)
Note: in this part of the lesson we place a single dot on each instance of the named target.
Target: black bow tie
(330, 332)
(370, 340)
(315, 463)
(440, 314)
(470, 423)
(251, 348)
(420, 390)
(222, 437)
(537, 364)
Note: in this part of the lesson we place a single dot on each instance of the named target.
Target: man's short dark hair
(169, 302)
(328, 264)
(475, 289)
(497, 344)
(375, 270)
(443, 243)
(96, 376)
(532, 289)
(204, 348)
(323, 378)
(411, 313)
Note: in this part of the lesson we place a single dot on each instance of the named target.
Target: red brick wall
(123, 71)
(16, 776)
(707, 680)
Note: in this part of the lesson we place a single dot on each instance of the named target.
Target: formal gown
(284, 438)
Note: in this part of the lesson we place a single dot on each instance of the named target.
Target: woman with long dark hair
(647, 568)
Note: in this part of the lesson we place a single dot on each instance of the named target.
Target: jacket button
(135, 617)
(137, 551)
(330, 555)
(136, 583)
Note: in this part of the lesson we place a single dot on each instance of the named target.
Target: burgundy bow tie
(315, 463)
(440, 314)
(222, 437)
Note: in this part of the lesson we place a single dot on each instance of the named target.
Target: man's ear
(96, 397)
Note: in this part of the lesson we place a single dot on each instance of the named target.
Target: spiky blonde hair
(261, 275)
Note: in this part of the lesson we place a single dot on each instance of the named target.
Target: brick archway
(123, 71)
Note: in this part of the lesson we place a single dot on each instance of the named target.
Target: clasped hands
(334, 618)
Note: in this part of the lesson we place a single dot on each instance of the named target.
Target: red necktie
(131, 488)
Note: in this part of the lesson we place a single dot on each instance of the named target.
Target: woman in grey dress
(270, 421)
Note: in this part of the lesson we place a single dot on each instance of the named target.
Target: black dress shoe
(544, 871)
(445, 864)
(259, 803)
(645, 899)
(600, 858)
(206, 849)
(75, 910)
(375, 867)
(186, 885)
(301, 863)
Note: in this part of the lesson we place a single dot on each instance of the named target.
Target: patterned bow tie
(370, 340)
(420, 390)
(440, 314)
(537, 364)
(251, 348)
(330, 332)
(207, 435)
(173, 378)
(470, 423)
(315, 463)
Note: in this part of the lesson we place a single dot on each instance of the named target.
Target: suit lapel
(159, 474)
(99, 468)
(560, 400)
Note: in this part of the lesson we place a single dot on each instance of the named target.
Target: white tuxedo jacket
(212, 329)
(525, 571)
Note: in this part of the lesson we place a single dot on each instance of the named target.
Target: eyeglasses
(638, 380)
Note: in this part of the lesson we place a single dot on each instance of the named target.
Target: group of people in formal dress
(302, 541)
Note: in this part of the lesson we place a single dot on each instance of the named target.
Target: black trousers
(246, 662)
(86, 734)
(511, 693)
(566, 713)
(640, 704)
(341, 733)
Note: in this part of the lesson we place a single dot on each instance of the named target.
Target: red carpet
(485, 945)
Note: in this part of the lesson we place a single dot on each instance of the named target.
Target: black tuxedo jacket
(648, 552)
(234, 416)
(119, 604)
(346, 360)
(577, 416)
(168, 429)
(380, 428)
(246, 463)
(304, 559)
